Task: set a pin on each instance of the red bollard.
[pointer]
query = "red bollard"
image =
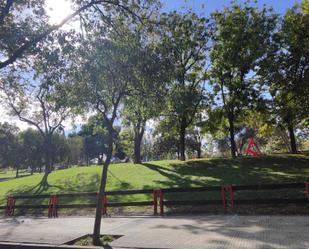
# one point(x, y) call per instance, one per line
point(161, 202)
point(158, 193)
point(223, 197)
point(231, 196)
point(104, 204)
point(155, 201)
point(52, 206)
point(10, 206)
point(227, 202)
point(307, 189)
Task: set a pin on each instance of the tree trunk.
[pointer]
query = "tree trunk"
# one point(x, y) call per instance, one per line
point(242, 143)
point(100, 160)
point(285, 138)
point(182, 142)
point(232, 135)
point(138, 136)
point(99, 208)
point(48, 154)
point(17, 172)
point(199, 151)
point(292, 138)
point(137, 149)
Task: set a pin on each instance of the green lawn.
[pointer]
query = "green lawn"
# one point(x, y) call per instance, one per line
point(9, 173)
point(248, 170)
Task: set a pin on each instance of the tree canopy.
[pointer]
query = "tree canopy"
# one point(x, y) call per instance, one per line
point(135, 82)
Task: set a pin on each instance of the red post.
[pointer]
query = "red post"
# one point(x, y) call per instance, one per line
point(10, 206)
point(227, 191)
point(158, 193)
point(161, 202)
point(104, 202)
point(307, 189)
point(231, 196)
point(155, 201)
point(223, 197)
point(52, 206)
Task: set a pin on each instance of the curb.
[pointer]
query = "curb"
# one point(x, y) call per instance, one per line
point(10, 245)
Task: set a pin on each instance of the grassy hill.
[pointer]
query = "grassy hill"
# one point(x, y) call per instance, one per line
point(247, 170)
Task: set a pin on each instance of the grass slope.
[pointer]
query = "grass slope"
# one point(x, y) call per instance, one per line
point(248, 170)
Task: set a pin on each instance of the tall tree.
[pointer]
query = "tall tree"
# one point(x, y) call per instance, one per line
point(240, 36)
point(285, 69)
point(147, 100)
point(195, 139)
point(39, 95)
point(166, 137)
point(31, 146)
point(76, 149)
point(185, 39)
point(8, 134)
point(104, 84)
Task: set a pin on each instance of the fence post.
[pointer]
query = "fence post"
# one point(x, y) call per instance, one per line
point(52, 206)
point(104, 203)
point(223, 197)
point(307, 189)
point(155, 201)
point(231, 196)
point(161, 201)
point(10, 206)
point(227, 202)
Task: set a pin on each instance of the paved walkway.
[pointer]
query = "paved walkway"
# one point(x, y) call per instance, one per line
point(203, 232)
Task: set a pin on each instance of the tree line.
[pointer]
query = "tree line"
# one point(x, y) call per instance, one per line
point(241, 71)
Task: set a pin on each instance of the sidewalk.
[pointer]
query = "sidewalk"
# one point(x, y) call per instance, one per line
point(203, 232)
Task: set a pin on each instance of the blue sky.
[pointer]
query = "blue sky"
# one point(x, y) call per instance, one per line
point(279, 6)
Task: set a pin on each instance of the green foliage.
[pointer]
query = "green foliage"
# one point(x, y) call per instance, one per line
point(216, 124)
point(43, 98)
point(7, 144)
point(60, 149)
point(95, 139)
point(25, 149)
point(76, 149)
point(285, 69)
point(166, 137)
point(241, 35)
point(131, 63)
point(105, 239)
point(151, 72)
point(127, 141)
point(31, 149)
point(147, 99)
point(101, 84)
point(20, 21)
point(305, 7)
point(285, 72)
point(185, 39)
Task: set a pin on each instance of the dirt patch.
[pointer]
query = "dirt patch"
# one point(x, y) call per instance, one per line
point(86, 240)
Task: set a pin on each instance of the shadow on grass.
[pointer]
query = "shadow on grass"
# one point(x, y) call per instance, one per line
point(240, 171)
point(194, 173)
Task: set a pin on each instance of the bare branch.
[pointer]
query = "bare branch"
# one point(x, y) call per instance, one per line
point(5, 10)
point(21, 50)
point(24, 119)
